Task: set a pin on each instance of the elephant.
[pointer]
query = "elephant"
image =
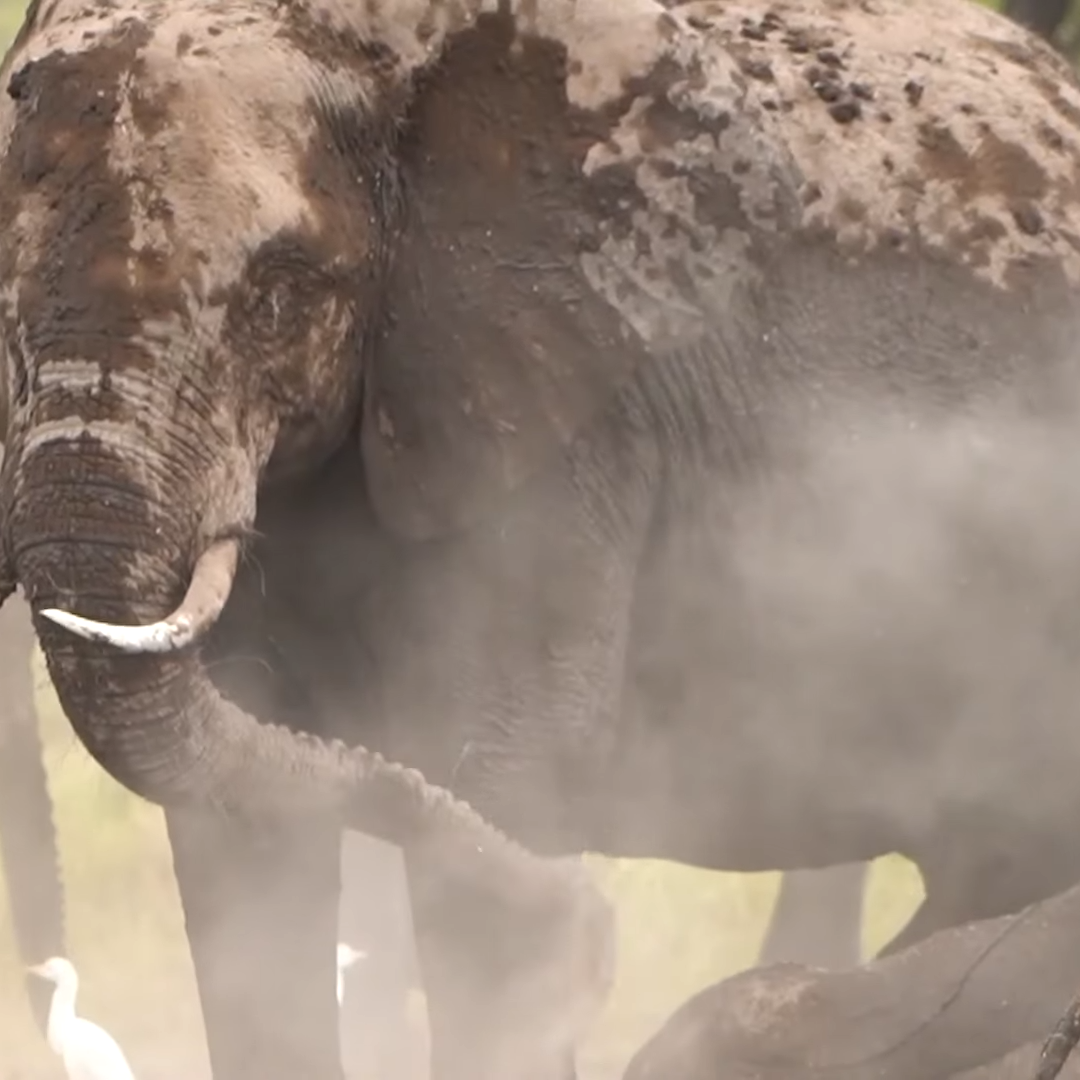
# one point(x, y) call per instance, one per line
point(27, 832)
point(816, 920)
point(515, 428)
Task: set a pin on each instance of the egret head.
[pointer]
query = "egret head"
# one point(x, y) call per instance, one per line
point(56, 969)
point(347, 955)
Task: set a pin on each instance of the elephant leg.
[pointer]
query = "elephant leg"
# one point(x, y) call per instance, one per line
point(817, 919)
point(466, 1007)
point(376, 1034)
point(261, 905)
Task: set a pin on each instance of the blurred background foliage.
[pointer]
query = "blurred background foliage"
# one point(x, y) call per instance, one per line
point(681, 929)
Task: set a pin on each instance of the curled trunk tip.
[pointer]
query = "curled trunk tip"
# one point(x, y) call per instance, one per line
point(211, 583)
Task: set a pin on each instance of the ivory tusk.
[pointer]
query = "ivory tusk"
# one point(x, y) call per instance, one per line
point(204, 601)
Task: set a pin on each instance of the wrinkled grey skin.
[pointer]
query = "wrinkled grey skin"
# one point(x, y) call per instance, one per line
point(27, 833)
point(655, 425)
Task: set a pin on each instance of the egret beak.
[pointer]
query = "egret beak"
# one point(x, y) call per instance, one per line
point(36, 969)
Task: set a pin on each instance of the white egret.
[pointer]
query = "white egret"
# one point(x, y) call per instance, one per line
point(88, 1051)
point(346, 957)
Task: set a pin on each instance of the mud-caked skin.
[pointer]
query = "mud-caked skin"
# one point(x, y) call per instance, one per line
point(622, 408)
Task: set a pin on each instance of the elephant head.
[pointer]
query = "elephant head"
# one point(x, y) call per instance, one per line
point(199, 206)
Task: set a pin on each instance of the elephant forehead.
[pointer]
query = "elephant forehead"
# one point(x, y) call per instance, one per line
point(915, 122)
point(209, 123)
point(211, 141)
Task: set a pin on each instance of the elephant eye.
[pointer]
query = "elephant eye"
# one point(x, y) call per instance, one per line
point(281, 293)
point(266, 314)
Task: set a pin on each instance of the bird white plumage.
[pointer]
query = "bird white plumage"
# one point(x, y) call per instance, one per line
point(88, 1051)
point(346, 957)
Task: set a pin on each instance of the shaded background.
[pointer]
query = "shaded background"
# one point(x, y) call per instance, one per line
point(680, 929)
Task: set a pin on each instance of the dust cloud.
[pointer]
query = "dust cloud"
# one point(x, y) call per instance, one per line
point(891, 609)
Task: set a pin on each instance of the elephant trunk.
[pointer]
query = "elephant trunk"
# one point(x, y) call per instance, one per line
point(91, 533)
point(87, 532)
point(93, 540)
point(204, 601)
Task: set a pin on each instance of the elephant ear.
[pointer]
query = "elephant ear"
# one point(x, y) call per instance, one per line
point(495, 350)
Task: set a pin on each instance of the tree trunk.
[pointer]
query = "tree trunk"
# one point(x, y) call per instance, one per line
point(27, 832)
